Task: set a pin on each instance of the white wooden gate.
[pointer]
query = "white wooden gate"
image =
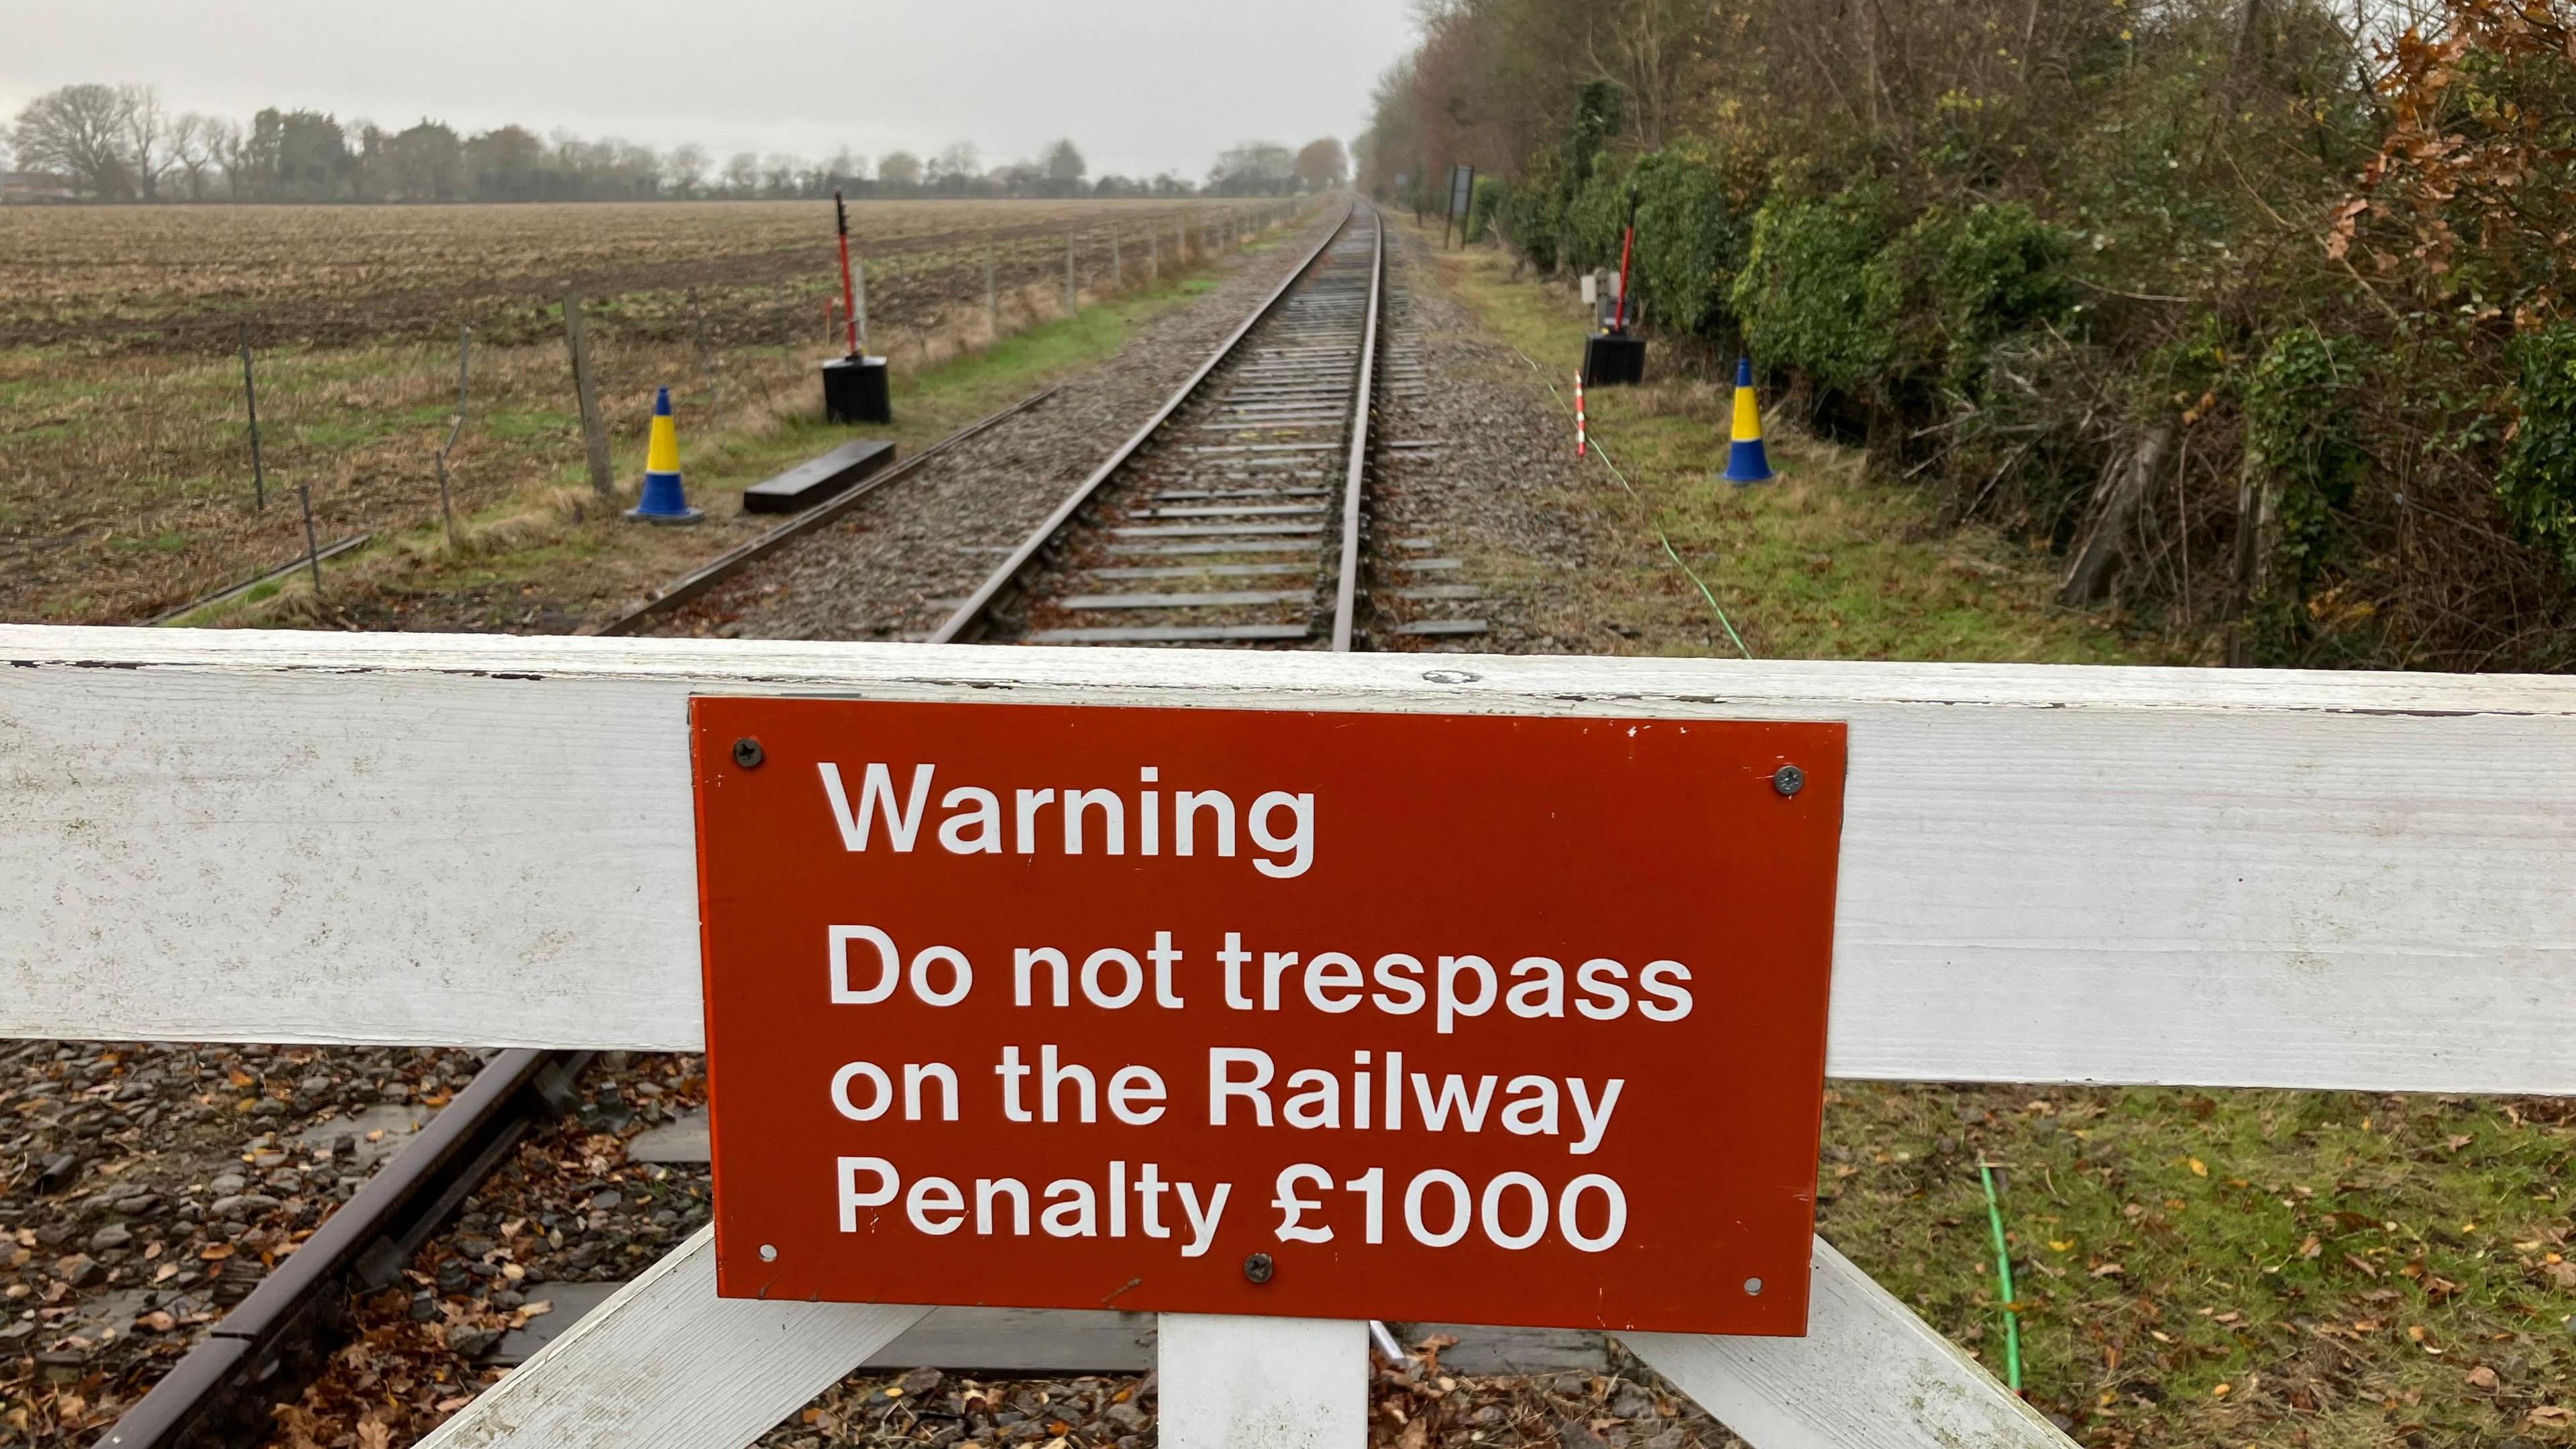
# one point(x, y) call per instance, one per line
point(2049, 875)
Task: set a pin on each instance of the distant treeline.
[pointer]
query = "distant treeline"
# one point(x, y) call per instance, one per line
point(119, 143)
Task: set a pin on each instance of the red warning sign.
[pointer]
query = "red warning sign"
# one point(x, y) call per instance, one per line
point(1414, 1017)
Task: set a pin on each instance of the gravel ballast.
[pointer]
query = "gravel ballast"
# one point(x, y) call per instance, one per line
point(900, 561)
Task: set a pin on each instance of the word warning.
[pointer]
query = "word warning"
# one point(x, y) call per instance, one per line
point(1415, 1017)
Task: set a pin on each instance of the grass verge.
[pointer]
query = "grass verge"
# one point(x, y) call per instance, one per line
point(1819, 565)
point(2322, 1270)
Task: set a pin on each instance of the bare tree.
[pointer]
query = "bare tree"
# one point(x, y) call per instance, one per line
point(1255, 168)
point(78, 133)
point(742, 174)
point(192, 151)
point(845, 166)
point(899, 170)
point(1649, 46)
point(147, 138)
point(228, 147)
point(956, 166)
point(684, 170)
point(1323, 164)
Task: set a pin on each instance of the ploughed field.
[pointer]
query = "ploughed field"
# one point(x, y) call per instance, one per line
point(125, 470)
point(157, 279)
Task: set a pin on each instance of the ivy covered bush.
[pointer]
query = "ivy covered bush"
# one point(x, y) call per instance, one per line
point(2538, 480)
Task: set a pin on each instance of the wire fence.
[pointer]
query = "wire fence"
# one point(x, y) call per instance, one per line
point(149, 480)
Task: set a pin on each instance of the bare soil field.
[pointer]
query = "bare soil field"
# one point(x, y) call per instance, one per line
point(163, 278)
point(125, 467)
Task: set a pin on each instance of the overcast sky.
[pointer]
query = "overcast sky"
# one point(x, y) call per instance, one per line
point(1143, 86)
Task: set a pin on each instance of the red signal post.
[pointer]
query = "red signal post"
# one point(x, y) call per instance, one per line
point(849, 301)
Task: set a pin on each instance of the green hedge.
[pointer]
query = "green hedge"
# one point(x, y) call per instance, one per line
point(1805, 295)
point(2300, 401)
point(1533, 209)
point(1844, 289)
point(1691, 236)
point(1848, 286)
point(2538, 479)
point(1481, 207)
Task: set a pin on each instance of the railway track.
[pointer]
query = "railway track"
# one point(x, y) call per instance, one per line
point(275, 1340)
point(1237, 516)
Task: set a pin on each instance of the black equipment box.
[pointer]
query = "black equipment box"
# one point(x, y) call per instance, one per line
point(855, 391)
point(1614, 359)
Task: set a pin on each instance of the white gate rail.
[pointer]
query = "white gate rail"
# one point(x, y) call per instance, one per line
point(2048, 874)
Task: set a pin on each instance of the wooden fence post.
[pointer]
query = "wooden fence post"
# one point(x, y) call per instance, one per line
point(992, 299)
point(594, 434)
point(250, 400)
point(312, 545)
point(464, 360)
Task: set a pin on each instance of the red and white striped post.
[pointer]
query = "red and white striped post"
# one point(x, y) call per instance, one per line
point(1582, 444)
point(849, 303)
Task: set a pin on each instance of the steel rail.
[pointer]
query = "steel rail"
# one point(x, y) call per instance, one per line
point(1346, 588)
point(726, 565)
point(325, 554)
point(975, 616)
point(271, 1343)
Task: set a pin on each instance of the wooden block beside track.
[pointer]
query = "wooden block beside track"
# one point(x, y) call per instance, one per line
point(829, 476)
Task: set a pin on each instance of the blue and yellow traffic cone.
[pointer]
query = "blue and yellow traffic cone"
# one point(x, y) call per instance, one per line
point(663, 501)
point(1746, 462)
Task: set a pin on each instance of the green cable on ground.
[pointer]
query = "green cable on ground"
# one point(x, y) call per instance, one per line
point(1660, 536)
point(2003, 1275)
point(1666, 540)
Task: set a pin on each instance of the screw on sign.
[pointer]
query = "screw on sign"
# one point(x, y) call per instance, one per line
point(1413, 1017)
